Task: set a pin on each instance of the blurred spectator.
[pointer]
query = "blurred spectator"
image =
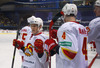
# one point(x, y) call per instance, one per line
point(4, 21)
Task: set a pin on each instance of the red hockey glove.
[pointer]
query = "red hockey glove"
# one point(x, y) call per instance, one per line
point(38, 46)
point(28, 50)
point(54, 33)
point(18, 44)
point(51, 44)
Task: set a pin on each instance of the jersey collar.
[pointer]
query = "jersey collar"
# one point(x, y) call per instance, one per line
point(75, 22)
point(35, 35)
point(38, 33)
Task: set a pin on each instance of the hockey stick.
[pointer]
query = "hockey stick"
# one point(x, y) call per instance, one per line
point(50, 27)
point(16, 43)
point(90, 65)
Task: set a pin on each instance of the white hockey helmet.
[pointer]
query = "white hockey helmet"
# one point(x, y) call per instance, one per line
point(34, 20)
point(31, 19)
point(69, 9)
point(97, 3)
point(39, 21)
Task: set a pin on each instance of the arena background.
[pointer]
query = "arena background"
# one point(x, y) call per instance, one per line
point(14, 11)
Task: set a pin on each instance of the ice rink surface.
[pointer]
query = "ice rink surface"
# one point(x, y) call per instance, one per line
point(6, 53)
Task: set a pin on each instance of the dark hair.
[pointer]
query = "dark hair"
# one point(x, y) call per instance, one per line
point(70, 15)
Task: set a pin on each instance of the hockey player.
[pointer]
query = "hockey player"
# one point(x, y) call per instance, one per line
point(34, 57)
point(94, 27)
point(23, 33)
point(72, 41)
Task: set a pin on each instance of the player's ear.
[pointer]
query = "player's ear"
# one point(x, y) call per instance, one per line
point(40, 26)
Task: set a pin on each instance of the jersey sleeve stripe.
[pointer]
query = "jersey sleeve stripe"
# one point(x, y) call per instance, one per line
point(68, 53)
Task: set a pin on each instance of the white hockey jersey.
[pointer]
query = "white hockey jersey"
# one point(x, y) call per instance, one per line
point(72, 38)
point(94, 33)
point(23, 33)
point(34, 61)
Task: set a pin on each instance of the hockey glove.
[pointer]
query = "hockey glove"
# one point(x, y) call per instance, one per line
point(51, 44)
point(54, 34)
point(28, 50)
point(18, 44)
point(38, 46)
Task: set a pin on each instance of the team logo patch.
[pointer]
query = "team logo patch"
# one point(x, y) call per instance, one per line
point(29, 49)
point(64, 43)
point(64, 35)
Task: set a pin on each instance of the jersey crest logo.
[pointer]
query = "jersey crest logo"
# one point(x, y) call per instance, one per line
point(64, 35)
point(29, 49)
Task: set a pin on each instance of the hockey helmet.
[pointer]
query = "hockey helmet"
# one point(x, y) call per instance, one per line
point(69, 9)
point(39, 21)
point(97, 3)
point(31, 19)
point(34, 20)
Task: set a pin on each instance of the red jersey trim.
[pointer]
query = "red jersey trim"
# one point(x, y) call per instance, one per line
point(75, 22)
point(36, 34)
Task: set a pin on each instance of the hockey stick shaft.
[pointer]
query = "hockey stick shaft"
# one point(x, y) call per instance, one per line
point(16, 44)
point(53, 21)
point(50, 27)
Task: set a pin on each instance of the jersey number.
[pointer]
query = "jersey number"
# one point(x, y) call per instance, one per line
point(23, 36)
point(64, 35)
point(84, 48)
